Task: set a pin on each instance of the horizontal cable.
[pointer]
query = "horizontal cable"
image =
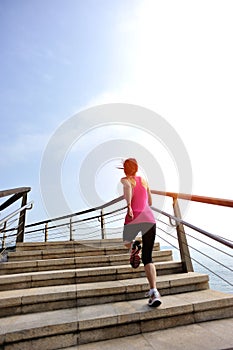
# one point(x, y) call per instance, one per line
point(197, 250)
point(223, 241)
point(199, 240)
point(198, 262)
point(114, 201)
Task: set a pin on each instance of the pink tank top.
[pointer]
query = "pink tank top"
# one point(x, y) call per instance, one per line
point(139, 203)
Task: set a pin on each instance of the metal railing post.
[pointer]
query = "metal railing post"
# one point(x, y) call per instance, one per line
point(103, 232)
point(46, 233)
point(182, 239)
point(22, 218)
point(71, 230)
point(4, 241)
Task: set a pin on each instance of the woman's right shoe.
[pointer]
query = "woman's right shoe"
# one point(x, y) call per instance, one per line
point(154, 300)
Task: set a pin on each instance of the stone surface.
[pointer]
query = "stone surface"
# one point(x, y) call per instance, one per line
point(111, 318)
point(66, 304)
point(214, 335)
point(52, 297)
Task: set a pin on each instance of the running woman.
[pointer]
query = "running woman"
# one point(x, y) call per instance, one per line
point(140, 218)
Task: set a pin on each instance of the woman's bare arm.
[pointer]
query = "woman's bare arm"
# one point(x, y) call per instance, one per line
point(149, 196)
point(127, 188)
point(145, 184)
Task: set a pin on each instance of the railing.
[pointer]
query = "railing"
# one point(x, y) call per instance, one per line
point(71, 219)
point(86, 224)
point(12, 225)
point(9, 234)
point(16, 194)
point(106, 221)
point(182, 238)
point(202, 248)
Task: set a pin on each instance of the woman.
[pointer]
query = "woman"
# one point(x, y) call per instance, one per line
point(140, 218)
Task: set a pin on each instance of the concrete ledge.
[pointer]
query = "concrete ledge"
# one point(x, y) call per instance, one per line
point(84, 275)
point(75, 262)
point(99, 322)
point(95, 243)
point(59, 301)
point(59, 297)
point(210, 335)
point(70, 251)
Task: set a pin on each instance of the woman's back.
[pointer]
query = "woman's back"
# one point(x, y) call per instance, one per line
point(139, 203)
point(140, 196)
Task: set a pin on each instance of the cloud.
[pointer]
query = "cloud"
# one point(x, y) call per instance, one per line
point(22, 149)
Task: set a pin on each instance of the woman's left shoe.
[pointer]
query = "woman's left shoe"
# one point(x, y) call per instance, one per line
point(135, 258)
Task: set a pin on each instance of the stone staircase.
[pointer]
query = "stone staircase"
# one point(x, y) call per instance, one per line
point(61, 295)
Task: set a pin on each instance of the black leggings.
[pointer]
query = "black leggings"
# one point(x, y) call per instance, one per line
point(148, 231)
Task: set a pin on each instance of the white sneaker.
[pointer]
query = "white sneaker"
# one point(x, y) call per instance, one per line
point(154, 300)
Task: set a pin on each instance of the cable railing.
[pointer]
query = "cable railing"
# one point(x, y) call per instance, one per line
point(106, 221)
point(13, 195)
point(216, 260)
point(11, 228)
point(180, 224)
point(87, 224)
point(208, 234)
point(206, 251)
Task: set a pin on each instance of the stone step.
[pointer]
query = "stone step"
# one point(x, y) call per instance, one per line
point(73, 263)
point(75, 251)
point(32, 300)
point(83, 275)
point(209, 335)
point(96, 243)
point(75, 326)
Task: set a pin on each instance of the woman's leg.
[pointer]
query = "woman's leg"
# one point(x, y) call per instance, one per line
point(148, 239)
point(151, 275)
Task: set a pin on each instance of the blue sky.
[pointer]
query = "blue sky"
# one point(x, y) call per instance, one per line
point(55, 57)
point(59, 57)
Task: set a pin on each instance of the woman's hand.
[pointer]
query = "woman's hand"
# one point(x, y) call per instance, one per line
point(130, 211)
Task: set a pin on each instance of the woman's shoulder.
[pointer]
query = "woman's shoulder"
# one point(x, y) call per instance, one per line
point(128, 181)
point(124, 180)
point(143, 181)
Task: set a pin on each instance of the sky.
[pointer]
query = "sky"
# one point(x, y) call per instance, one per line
point(59, 57)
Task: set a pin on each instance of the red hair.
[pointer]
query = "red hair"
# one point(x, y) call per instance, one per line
point(130, 166)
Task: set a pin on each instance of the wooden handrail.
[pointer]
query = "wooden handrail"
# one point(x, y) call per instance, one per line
point(195, 198)
point(16, 193)
point(4, 193)
point(175, 195)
